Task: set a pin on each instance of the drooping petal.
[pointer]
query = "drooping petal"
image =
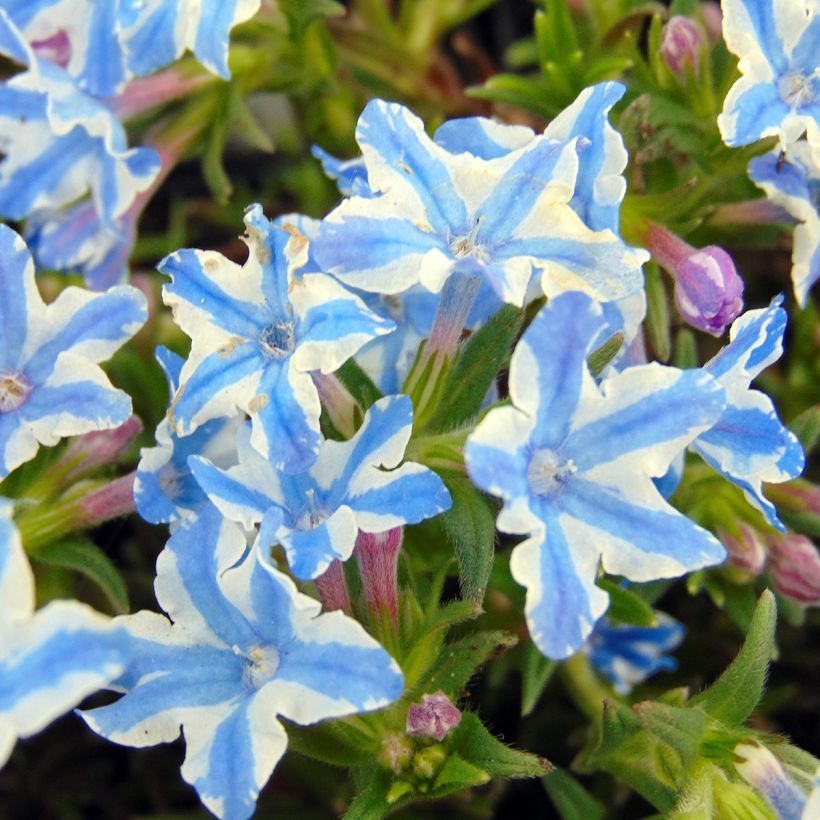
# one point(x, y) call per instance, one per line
point(16, 579)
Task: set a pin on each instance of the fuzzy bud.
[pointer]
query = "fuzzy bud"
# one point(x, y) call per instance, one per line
point(708, 289)
point(746, 550)
point(396, 753)
point(759, 767)
point(99, 448)
point(428, 762)
point(332, 588)
point(682, 42)
point(794, 567)
point(109, 501)
point(378, 556)
point(435, 717)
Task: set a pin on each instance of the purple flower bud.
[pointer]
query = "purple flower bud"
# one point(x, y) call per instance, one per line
point(332, 589)
point(746, 550)
point(794, 567)
point(708, 290)
point(435, 717)
point(101, 447)
point(759, 767)
point(396, 753)
point(110, 501)
point(681, 43)
point(378, 556)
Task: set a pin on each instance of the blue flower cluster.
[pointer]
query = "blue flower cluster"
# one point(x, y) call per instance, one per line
point(435, 234)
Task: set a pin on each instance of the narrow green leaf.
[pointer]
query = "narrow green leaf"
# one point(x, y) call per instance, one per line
point(686, 349)
point(251, 131)
point(603, 355)
point(570, 798)
point(301, 13)
point(657, 314)
point(85, 557)
point(626, 607)
point(476, 368)
point(457, 774)
point(470, 526)
point(536, 673)
point(735, 694)
point(473, 741)
point(459, 660)
point(806, 522)
point(807, 428)
point(212, 168)
point(371, 802)
point(358, 384)
point(335, 743)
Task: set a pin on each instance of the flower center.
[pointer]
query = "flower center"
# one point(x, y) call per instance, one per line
point(797, 89)
point(312, 515)
point(15, 388)
point(548, 472)
point(170, 481)
point(467, 244)
point(278, 339)
point(261, 663)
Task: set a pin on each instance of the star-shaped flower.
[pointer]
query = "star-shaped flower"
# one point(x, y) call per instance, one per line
point(436, 211)
point(793, 182)
point(256, 333)
point(574, 461)
point(316, 515)
point(778, 93)
point(244, 647)
point(59, 143)
point(749, 444)
point(50, 383)
point(165, 490)
point(49, 659)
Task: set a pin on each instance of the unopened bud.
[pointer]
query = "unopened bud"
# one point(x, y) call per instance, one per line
point(708, 289)
point(332, 589)
point(435, 717)
point(110, 501)
point(396, 753)
point(759, 767)
point(682, 42)
point(99, 448)
point(794, 567)
point(746, 550)
point(712, 19)
point(378, 556)
point(799, 495)
point(428, 762)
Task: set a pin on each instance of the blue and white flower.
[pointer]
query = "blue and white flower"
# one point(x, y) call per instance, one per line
point(257, 332)
point(574, 462)
point(354, 485)
point(59, 143)
point(49, 659)
point(778, 93)
point(244, 647)
point(436, 212)
point(157, 32)
point(793, 183)
point(165, 490)
point(50, 383)
point(628, 654)
point(749, 444)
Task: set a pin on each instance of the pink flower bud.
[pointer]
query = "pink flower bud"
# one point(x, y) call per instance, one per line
point(708, 290)
point(746, 550)
point(378, 556)
point(681, 44)
point(794, 567)
point(435, 717)
point(799, 495)
point(92, 450)
point(712, 19)
point(107, 502)
point(332, 589)
point(144, 93)
point(396, 753)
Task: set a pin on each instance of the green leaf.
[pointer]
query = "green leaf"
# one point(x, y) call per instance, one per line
point(371, 802)
point(457, 774)
point(657, 314)
point(570, 798)
point(301, 13)
point(212, 168)
point(476, 368)
point(474, 743)
point(735, 694)
point(807, 428)
point(335, 743)
point(626, 607)
point(459, 660)
point(686, 349)
point(802, 521)
point(85, 557)
point(536, 673)
point(358, 384)
point(680, 727)
point(470, 526)
point(603, 355)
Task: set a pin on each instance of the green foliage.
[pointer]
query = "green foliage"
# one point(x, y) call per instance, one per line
point(570, 798)
point(85, 557)
point(625, 606)
point(536, 673)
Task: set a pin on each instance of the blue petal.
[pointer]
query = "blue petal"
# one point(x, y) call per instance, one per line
point(100, 405)
point(758, 110)
point(17, 290)
point(350, 175)
point(481, 137)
